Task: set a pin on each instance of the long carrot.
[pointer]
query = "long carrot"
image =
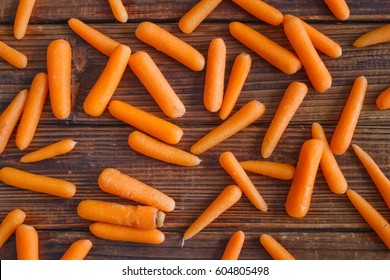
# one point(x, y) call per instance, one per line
point(234, 246)
point(229, 162)
point(119, 10)
point(342, 136)
point(274, 248)
point(98, 98)
point(10, 223)
point(78, 250)
point(275, 54)
point(27, 243)
point(154, 81)
point(13, 56)
point(376, 36)
point(247, 114)
point(114, 182)
point(282, 171)
point(299, 196)
point(172, 46)
point(37, 183)
point(153, 148)
point(261, 10)
point(383, 100)
point(55, 149)
point(22, 17)
point(292, 99)
point(339, 8)
point(239, 73)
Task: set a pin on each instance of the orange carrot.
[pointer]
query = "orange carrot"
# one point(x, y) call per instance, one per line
point(229, 162)
point(97, 99)
point(274, 248)
point(12, 56)
point(342, 136)
point(32, 111)
point(154, 81)
point(234, 246)
point(27, 243)
point(119, 10)
point(292, 99)
point(275, 54)
point(329, 166)
point(299, 196)
point(339, 8)
point(114, 182)
point(282, 171)
point(58, 148)
point(153, 148)
point(248, 113)
point(78, 250)
point(10, 223)
point(261, 10)
point(37, 183)
point(375, 220)
point(238, 75)
point(376, 36)
point(22, 17)
point(172, 46)
point(383, 100)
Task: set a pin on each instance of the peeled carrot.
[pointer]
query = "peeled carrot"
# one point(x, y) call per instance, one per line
point(37, 183)
point(98, 98)
point(119, 10)
point(282, 171)
point(241, 119)
point(10, 223)
point(78, 250)
point(240, 70)
point(229, 162)
point(261, 10)
point(292, 99)
point(342, 136)
point(172, 46)
point(12, 56)
point(114, 182)
point(274, 248)
point(376, 36)
point(339, 8)
point(153, 148)
point(383, 100)
point(154, 81)
point(58, 148)
point(22, 17)
point(27, 243)
point(234, 246)
point(299, 196)
point(275, 54)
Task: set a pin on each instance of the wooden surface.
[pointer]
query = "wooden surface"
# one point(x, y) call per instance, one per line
point(332, 229)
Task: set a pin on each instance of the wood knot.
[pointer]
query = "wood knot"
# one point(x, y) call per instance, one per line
point(79, 58)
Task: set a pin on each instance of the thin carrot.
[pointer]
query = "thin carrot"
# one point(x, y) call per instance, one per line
point(376, 36)
point(292, 99)
point(114, 182)
point(98, 98)
point(172, 46)
point(153, 148)
point(13, 56)
point(10, 223)
point(383, 100)
point(239, 73)
point(274, 248)
point(27, 243)
point(229, 162)
point(339, 8)
point(261, 10)
point(234, 246)
point(22, 17)
point(299, 196)
point(119, 10)
point(154, 81)
point(55, 149)
point(275, 54)
point(247, 114)
point(37, 183)
point(282, 171)
point(342, 136)
point(78, 250)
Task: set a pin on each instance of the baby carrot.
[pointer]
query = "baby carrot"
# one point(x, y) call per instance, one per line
point(234, 246)
point(241, 119)
point(12, 56)
point(58, 148)
point(10, 223)
point(282, 171)
point(114, 182)
point(342, 136)
point(275, 54)
point(172, 46)
point(97, 99)
point(261, 10)
point(27, 243)
point(119, 10)
point(299, 196)
point(153, 148)
point(383, 100)
point(292, 99)
point(22, 17)
point(274, 248)
point(154, 81)
point(229, 162)
point(78, 250)
point(240, 70)
point(37, 183)
point(339, 8)
point(376, 36)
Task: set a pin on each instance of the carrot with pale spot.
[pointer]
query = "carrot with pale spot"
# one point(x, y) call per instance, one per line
point(78, 250)
point(261, 10)
point(383, 100)
point(339, 8)
point(27, 243)
point(12, 56)
point(278, 170)
point(119, 10)
point(22, 17)
point(373, 37)
point(10, 223)
point(52, 150)
point(234, 246)
point(274, 248)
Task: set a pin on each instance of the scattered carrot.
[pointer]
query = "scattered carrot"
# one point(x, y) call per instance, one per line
point(78, 250)
point(383, 100)
point(119, 10)
point(22, 17)
point(339, 8)
point(274, 248)
point(234, 246)
point(27, 243)
point(261, 10)
point(275, 54)
point(282, 171)
point(376, 36)
point(12, 56)
point(172, 46)
point(154, 81)
point(342, 136)
point(10, 223)
point(58, 148)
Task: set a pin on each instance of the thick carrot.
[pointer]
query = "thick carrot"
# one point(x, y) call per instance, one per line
point(376, 36)
point(234, 246)
point(12, 56)
point(261, 10)
point(153, 148)
point(248, 113)
point(339, 8)
point(172, 46)
point(114, 182)
point(329, 166)
point(342, 136)
point(37, 183)
point(292, 99)
point(154, 81)
point(383, 100)
point(119, 10)
point(282, 171)
point(229, 162)
point(98, 98)
point(274, 248)
point(10, 223)
point(78, 250)
point(58, 148)
point(27, 243)
point(299, 196)
point(22, 17)
point(275, 54)
point(239, 73)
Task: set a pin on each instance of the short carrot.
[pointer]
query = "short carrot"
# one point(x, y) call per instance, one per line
point(78, 250)
point(229, 162)
point(98, 98)
point(154, 81)
point(299, 196)
point(383, 100)
point(247, 114)
point(153, 148)
point(55, 149)
point(12, 56)
point(10, 223)
point(342, 136)
point(22, 17)
point(275, 54)
point(114, 182)
point(282, 171)
point(171, 45)
point(119, 10)
point(261, 10)
point(373, 37)
point(234, 246)
point(274, 248)
point(292, 99)
point(27, 243)
point(339, 8)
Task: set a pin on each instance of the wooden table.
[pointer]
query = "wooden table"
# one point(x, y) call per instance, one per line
point(332, 229)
